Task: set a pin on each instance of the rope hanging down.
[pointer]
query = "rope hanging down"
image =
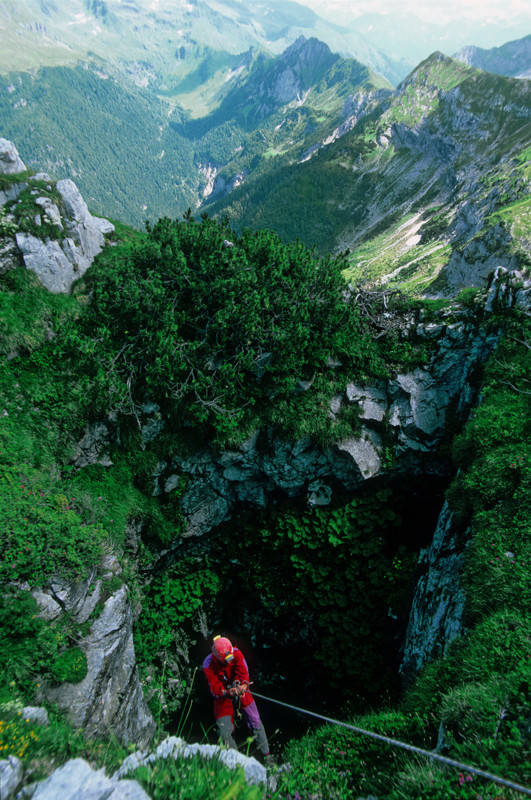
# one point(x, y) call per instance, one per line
point(411, 748)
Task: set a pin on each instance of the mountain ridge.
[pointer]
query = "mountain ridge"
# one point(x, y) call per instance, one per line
point(445, 137)
point(512, 59)
point(261, 113)
point(172, 33)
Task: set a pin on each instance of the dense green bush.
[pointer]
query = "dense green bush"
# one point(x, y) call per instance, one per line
point(28, 312)
point(213, 326)
point(43, 749)
point(27, 643)
point(172, 606)
point(339, 763)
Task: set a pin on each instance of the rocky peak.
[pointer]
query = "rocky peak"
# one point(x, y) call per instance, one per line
point(10, 161)
point(65, 237)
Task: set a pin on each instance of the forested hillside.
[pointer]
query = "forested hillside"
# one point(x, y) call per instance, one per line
point(153, 160)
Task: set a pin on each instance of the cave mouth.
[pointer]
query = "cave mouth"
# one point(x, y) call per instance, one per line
point(278, 601)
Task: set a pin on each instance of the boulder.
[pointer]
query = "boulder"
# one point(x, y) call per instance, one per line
point(36, 714)
point(47, 259)
point(77, 598)
point(76, 780)
point(11, 774)
point(91, 447)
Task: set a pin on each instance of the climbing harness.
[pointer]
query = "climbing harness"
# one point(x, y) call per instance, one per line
point(411, 748)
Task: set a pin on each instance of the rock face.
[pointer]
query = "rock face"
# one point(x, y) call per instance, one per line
point(175, 747)
point(10, 161)
point(402, 423)
point(110, 698)
point(437, 608)
point(59, 261)
point(77, 780)
point(59, 264)
point(11, 774)
point(10, 164)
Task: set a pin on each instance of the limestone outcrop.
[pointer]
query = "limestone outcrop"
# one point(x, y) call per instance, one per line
point(77, 780)
point(175, 747)
point(58, 264)
point(10, 164)
point(10, 161)
point(78, 237)
point(110, 698)
point(11, 775)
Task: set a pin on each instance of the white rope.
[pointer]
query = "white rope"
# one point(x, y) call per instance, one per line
point(411, 748)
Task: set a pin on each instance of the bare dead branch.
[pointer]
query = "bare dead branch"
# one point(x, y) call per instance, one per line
point(516, 389)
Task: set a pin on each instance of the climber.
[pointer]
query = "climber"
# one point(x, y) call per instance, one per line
point(228, 679)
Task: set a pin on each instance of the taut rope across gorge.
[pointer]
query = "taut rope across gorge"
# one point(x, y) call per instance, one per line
point(411, 748)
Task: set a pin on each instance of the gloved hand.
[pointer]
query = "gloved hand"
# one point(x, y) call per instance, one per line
point(237, 690)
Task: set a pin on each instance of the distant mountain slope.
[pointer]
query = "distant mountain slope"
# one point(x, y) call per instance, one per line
point(167, 40)
point(512, 59)
point(304, 72)
point(415, 33)
point(152, 160)
point(449, 149)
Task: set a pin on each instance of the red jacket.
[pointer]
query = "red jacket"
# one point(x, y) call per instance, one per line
point(220, 676)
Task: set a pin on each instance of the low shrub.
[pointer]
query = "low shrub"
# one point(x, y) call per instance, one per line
point(27, 643)
point(195, 779)
point(45, 748)
point(339, 763)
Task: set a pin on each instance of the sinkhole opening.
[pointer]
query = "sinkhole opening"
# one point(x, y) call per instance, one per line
point(318, 601)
